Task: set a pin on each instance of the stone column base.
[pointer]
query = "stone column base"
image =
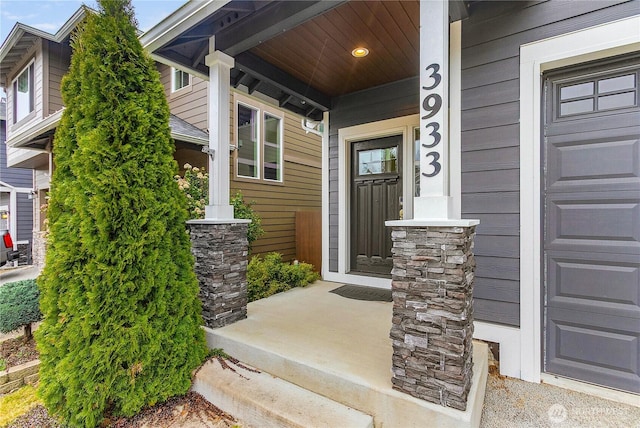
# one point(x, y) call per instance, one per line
point(220, 249)
point(432, 325)
point(39, 247)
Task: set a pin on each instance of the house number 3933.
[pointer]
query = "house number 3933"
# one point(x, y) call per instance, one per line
point(432, 103)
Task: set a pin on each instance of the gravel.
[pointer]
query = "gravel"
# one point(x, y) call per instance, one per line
point(512, 403)
point(35, 418)
point(189, 411)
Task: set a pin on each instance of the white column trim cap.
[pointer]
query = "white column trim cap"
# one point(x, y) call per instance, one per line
point(219, 57)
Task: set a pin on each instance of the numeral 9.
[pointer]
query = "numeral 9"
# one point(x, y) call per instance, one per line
point(431, 104)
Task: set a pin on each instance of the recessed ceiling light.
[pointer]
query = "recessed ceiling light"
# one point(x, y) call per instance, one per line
point(360, 52)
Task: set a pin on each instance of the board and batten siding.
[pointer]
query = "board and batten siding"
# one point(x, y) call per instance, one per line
point(59, 58)
point(491, 40)
point(35, 53)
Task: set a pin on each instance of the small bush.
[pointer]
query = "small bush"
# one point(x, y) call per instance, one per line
point(17, 404)
point(195, 186)
point(19, 306)
point(268, 276)
point(242, 209)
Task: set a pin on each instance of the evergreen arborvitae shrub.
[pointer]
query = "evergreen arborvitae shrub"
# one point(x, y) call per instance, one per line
point(119, 296)
point(19, 306)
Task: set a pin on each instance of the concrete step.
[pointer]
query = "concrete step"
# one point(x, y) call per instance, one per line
point(340, 348)
point(258, 399)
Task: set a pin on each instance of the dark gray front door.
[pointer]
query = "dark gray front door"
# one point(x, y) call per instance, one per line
point(376, 191)
point(592, 224)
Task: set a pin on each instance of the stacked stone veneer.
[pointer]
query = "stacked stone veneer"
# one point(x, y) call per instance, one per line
point(221, 250)
point(25, 254)
point(432, 326)
point(39, 247)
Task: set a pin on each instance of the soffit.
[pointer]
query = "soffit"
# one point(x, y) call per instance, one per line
point(318, 52)
point(17, 52)
point(299, 52)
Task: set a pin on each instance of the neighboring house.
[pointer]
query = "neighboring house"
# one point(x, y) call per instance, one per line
point(32, 63)
point(16, 205)
point(544, 150)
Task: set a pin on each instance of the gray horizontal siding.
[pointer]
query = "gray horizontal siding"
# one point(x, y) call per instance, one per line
point(491, 40)
point(25, 217)
point(17, 177)
point(384, 102)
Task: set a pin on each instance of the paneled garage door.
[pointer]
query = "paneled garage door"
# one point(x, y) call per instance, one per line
point(592, 224)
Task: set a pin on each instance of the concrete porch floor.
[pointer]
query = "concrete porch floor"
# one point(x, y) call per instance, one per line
point(339, 348)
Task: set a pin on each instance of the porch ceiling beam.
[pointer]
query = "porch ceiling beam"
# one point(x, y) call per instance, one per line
point(253, 86)
point(180, 42)
point(284, 100)
point(203, 31)
point(310, 111)
point(204, 50)
point(458, 10)
point(262, 70)
point(238, 80)
point(269, 22)
point(240, 6)
point(178, 61)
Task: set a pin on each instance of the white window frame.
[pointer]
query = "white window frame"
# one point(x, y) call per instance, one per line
point(31, 78)
point(262, 109)
point(174, 82)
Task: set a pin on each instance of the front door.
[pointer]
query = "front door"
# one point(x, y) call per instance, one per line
point(376, 196)
point(592, 224)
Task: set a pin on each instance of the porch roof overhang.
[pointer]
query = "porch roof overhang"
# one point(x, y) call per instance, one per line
point(297, 52)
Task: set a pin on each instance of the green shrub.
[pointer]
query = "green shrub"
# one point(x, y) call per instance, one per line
point(119, 295)
point(195, 185)
point(19, 306)
point(268, 276)
point(242, 209)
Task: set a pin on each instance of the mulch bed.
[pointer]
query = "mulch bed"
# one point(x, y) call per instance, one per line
point(189, 409)
point(16, 351)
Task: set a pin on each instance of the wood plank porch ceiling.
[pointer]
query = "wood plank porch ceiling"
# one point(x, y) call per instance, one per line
point(318, 52)
point(299, 52)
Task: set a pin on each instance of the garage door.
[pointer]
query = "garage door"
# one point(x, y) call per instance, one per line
point(592, 224)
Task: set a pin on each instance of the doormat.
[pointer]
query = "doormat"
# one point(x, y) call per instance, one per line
point(359, 292)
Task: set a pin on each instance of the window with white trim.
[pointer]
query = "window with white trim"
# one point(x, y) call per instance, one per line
point(179, 79)
point(258, 133)
point(23, 93)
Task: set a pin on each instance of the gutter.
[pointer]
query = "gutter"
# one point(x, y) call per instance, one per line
point(21, 138)
point(189, 139)
point(178, 21)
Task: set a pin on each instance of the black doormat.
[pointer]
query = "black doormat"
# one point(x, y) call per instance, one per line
point(359, 292)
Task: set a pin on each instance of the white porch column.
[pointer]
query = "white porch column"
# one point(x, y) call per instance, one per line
point(433, 262)
point(220, 65)
point(434, 201)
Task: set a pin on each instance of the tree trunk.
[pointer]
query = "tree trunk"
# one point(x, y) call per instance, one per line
point(27, 332)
